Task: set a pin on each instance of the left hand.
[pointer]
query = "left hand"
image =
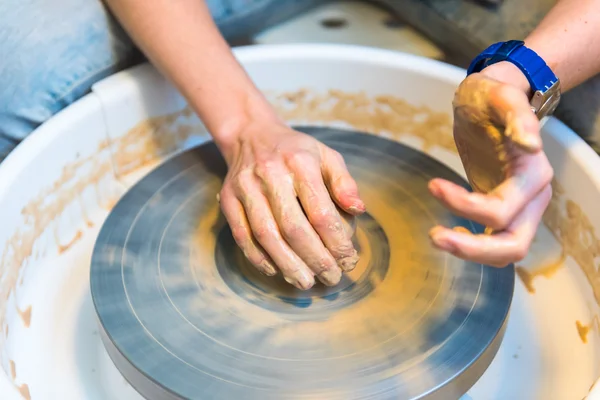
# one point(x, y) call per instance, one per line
point(290, 201)
point(498, 139)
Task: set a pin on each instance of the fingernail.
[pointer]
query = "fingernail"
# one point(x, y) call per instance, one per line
point(331, 277)
point(529, 142)
point(444, 244)
point(347, 264)
point(357, 208)
point(267, 268)
point(434, 188)
point(440, 241)
point(524, 138)
point(301, 282)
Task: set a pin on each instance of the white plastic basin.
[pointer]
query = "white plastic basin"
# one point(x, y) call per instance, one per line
point(57, 187)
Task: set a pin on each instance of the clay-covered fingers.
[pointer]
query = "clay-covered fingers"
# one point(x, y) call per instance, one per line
point(498, 208)
point(509, 107)
point(500, 249)
point(341, 185)
point(322, 212)
point(295, 227)
point(266, 231)
point(242, 234)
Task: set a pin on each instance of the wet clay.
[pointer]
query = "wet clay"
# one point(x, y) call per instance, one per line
point(153, 138)
point(25, 316)
point(390, 116)
point(482, 145)
point(142, 145)
point(583, 330)
point(384, 115)
point(527, 276)
point(388, 316)
point(22, 388)
point(575, 233)
point(461, 229)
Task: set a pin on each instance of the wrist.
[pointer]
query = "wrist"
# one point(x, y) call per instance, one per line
point(228, 130)
point(507, 72)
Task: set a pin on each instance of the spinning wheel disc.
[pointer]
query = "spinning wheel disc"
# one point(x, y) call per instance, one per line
point(184, 315)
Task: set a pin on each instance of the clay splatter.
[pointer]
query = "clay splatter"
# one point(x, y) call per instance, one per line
point(548, 270)
point(25, 316)
point(583, 330)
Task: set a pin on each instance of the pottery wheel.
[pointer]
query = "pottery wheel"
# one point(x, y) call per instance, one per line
point(184, 315)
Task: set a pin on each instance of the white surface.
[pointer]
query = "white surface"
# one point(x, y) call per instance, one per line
point(60, 357)
point(364, 25)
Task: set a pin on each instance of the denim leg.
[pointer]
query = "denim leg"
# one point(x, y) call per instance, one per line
point(52, 52)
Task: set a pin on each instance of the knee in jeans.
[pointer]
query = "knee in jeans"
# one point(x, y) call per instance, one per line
point(50, 55)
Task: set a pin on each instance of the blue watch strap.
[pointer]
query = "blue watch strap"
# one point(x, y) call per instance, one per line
point(539, 75)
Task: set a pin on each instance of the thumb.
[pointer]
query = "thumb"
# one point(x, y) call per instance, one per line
point(509, 107)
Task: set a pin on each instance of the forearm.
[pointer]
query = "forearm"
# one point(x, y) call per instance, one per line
point(568, 39)
point(182, 41)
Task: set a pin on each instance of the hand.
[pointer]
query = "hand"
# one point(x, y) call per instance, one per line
point(283, 197)
point(498, 139)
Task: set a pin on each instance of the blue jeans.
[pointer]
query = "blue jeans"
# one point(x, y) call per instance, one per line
point(51, 52)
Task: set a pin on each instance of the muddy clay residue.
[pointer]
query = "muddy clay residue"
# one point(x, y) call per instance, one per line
point(25, 316)
point(22, 388)
point(583, 330)
point(575, 233)
point(156, 137)
point(546, 270)
point(390, 116)
point(384, 114)
point(145, 143)
point(40, 216)
point(410, 294)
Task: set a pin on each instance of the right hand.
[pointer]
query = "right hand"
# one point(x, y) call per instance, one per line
point(290, 201)
point(498, 139)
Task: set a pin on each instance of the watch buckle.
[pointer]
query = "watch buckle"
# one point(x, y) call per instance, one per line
point(545, 103)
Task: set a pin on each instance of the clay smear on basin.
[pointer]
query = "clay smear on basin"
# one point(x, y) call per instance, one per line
point(23, 389)
point(156, 137)
point(144, 144)
point(584, 329)
point(547, 270)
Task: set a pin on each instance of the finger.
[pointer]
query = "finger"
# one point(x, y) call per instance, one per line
point(266, 232)
point(499, 249)
point(296, 229)
point(511, 108)
point(507, 105)
point(242, 234)
point(348, 220)
point(341, 185)
point(323, 214)
point(498, 208)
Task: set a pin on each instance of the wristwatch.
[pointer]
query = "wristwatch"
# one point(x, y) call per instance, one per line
point(544, 83)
